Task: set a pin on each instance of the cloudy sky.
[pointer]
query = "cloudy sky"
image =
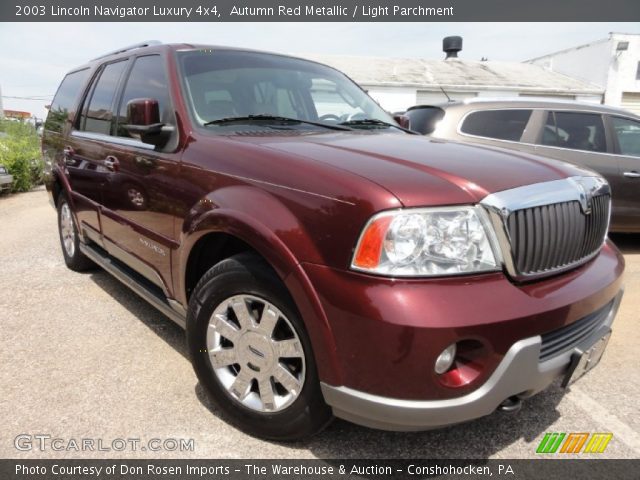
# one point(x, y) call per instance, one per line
point(34, 57)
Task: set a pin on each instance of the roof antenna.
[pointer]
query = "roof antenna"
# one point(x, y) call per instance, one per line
point(445, 94)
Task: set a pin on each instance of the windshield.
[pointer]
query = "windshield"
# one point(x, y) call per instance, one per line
point(222, 84)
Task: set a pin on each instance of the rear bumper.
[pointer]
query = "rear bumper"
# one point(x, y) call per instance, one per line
point(520, 373)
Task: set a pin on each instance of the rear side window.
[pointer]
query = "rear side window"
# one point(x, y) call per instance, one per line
point(628, 135)
point(97, 116)
point(499, 124)
point(64, 101)
point(574, 130)
point(147, 79)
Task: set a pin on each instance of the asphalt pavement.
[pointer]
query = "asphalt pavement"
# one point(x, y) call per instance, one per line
point(83, 357)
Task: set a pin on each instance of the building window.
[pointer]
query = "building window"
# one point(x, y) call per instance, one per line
point(638, 72)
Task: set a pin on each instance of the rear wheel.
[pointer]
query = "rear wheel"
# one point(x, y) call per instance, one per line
point(251, 351)
point(69, 239)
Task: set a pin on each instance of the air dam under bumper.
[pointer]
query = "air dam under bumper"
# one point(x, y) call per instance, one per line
point(520, 373)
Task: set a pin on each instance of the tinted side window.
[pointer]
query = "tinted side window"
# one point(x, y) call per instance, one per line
point(500, 124)
point(98, 116)
point(65, 99)
point(575, 130)
point(628, 134)
point(148, 79)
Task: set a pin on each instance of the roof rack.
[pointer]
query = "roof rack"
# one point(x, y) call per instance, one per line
point(148, 43)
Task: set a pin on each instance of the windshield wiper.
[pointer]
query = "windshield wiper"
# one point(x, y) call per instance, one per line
point(272, 118)
point(374, 122)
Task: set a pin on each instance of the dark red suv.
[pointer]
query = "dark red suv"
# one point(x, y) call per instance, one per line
point(323, 260)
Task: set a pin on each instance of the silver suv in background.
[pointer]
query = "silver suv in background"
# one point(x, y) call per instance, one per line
point(600, 138)
point(6, 180)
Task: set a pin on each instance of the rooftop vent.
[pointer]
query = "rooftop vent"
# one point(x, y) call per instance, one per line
point(451, 46)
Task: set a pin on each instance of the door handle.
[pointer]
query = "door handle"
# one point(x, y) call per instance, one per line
point(111, 163)
point(67, 155)
point(631, 174)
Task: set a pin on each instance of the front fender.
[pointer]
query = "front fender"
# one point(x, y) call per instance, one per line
point(261, 221)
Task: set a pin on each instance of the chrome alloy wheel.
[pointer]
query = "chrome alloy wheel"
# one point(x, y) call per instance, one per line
point(67, 230)
point(256, 353)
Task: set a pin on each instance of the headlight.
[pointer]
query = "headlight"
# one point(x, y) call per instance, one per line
point(420, 242)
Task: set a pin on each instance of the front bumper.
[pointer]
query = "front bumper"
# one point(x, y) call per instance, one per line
point(520, 373)
point(387, 334)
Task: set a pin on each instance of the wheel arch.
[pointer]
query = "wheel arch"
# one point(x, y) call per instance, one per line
point(56, 183)
point(221, 232)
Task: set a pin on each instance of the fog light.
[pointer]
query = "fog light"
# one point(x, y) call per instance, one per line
point(445, 359)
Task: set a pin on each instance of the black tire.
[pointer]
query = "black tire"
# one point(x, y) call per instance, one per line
point(247, 274)
point(74, 260)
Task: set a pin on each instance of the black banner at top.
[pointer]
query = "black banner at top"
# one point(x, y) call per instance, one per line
point(319, 10)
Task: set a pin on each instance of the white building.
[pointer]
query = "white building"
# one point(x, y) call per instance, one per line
point(399, 83)
point(612, 63)
point(1, 109)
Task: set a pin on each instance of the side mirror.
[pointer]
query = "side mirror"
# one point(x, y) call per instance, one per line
point(143, 120)
point(402, 120)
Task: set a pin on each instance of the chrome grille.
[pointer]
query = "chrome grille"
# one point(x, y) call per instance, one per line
point(549, 237)
point(546, 228)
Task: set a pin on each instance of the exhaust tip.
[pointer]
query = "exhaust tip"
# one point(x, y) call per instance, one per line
point(511, 404)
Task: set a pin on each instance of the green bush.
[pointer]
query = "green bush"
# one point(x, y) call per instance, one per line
point(20, 153)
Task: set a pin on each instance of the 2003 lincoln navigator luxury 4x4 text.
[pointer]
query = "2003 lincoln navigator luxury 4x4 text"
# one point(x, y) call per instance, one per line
point(323, 260)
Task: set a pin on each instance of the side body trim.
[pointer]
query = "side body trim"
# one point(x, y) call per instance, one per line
point(138, 287)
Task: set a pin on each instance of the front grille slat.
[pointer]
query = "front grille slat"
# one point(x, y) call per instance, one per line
point(528, 262)
point(576, 242)
point(557, 251)
point(545, 218)
point(537, 233)
point(549, 237)
point(568, 337)
point(522, 237)
point(570, 233)
point(565, 234)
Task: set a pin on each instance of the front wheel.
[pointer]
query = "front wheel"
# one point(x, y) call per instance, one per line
point(251, 352)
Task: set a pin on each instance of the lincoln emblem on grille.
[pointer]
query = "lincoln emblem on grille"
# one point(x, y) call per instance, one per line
point(585, 197)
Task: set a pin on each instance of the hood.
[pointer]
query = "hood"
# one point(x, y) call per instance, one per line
point(421, 171)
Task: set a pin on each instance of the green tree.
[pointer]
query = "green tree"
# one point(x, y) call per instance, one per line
point(20, 154)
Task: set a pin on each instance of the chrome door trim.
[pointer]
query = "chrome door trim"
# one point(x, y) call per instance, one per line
point(121, 141)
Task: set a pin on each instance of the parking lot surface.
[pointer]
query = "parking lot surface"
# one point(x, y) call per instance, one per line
point(83, 357)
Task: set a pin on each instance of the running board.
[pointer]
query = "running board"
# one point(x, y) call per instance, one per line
point(128, 277)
